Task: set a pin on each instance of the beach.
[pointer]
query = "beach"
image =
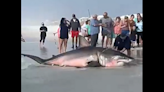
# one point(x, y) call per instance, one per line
point(41, 78)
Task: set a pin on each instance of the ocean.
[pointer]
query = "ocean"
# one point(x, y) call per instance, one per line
point(41, 78)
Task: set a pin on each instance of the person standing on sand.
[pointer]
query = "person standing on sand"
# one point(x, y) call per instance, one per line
point(75, 28)
point(139, 28)
point(58, 33)
point(107, 29)
point(64, 28)
point(43, 30)
point(133, 29)
point(94, 30)
point(125, 27)
point(117, 26)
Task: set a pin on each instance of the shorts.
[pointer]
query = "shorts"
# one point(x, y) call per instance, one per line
point(106, 33)
point(64, 36)
point(74, 34)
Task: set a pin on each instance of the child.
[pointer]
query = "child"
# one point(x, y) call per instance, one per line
point(58, 33)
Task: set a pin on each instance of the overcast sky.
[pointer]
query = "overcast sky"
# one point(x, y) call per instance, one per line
point(36, 11)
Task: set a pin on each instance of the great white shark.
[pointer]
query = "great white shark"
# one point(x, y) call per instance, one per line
point(87, 56)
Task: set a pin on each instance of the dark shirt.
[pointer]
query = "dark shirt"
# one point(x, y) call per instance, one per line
point(64, 31)
point(122, 43)
point(43, 28)
point(75, 24)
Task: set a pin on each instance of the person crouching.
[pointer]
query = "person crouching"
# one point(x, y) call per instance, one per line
point(122, 43)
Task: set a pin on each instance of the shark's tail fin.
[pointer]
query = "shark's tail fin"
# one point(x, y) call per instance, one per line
point(35, 58)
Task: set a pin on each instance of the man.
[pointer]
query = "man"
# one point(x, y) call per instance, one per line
point(75, 28)
point(107, 29)
point(43, 30)
point(94, 30)
point(122, 43)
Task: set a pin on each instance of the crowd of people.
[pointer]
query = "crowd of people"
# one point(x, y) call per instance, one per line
point(126, 32)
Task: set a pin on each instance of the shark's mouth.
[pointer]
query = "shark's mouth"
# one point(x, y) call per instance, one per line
point(115, 61)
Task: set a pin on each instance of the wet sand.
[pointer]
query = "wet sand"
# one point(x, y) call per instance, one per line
point(40, 78)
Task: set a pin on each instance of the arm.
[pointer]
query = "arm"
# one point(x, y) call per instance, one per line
point(100, 21)
point(113, 23)
point(116, 42)
point(55, 33)
point(123, 25)
point(134, 26)
point(92, 23)
point(129, 27)
point(40, 29)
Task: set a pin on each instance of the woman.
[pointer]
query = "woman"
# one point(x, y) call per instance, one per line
point(133, 31)
point(125, 27)
point(139, 28)
point(117, 26)
point(64, 27)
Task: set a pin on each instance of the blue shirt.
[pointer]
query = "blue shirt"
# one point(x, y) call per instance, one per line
point(93, 29)
point(139, 26)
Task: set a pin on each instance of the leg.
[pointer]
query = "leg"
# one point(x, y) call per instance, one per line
point(77, 37)
point(60, 45)
point(76, 41)
point(44, 37)
point(95, 38)
point(65, 44)
point(72, 34)
point(92, 40)
point(107, 41)
point(138, 38)
point(142, 38)
point(103, 40)
point(103, 37)
point(41, 37)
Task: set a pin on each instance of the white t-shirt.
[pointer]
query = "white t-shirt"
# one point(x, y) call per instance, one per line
point(83, 30)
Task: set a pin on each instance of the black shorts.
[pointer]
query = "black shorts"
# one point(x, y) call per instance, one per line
point(64, 37)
